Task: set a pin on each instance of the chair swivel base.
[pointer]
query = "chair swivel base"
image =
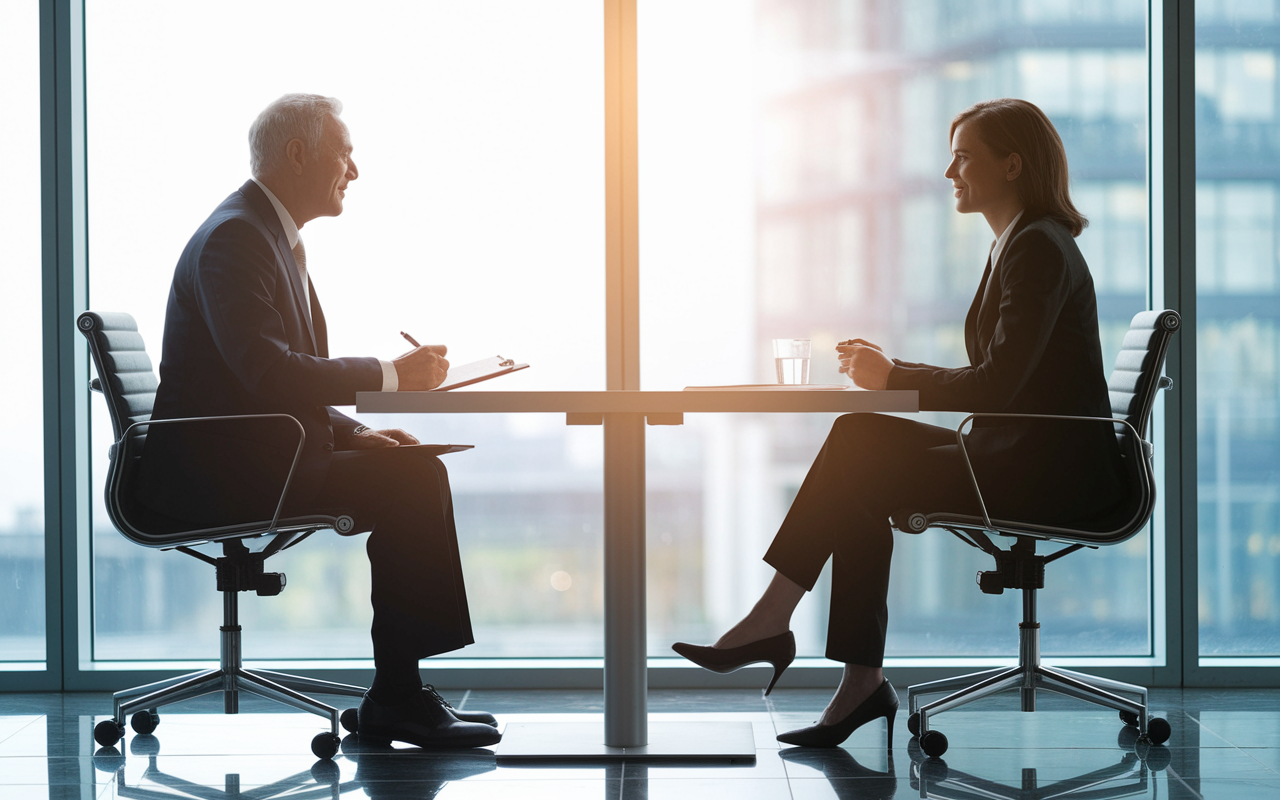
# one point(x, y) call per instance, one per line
point(1029, 677)
point(231, 678)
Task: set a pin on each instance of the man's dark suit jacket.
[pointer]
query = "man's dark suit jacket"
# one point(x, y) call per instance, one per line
point(237, 341)
point(1032, 338)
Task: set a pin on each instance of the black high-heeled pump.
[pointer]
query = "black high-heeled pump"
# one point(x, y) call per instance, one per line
point(779, 651)
point(883, 702)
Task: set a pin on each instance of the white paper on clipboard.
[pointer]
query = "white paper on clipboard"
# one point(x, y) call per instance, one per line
point(477, 371)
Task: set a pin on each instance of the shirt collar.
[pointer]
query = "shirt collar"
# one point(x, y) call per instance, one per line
point(998, 247)
point(286, 221)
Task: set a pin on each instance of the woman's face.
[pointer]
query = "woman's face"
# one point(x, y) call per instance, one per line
point(983, 182)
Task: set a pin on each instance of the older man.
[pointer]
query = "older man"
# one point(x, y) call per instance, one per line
point(244, 334)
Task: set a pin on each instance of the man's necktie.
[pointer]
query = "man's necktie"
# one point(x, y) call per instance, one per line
point(300, 256)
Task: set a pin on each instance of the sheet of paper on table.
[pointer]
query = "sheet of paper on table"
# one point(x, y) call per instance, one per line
point(773, 387)
point(476, 371)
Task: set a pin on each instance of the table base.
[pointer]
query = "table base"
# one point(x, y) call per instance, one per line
point(668, 741)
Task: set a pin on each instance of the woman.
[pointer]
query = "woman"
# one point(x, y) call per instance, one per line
point(1032, 341)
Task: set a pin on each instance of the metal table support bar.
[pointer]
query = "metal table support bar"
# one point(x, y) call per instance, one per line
point(626, 711)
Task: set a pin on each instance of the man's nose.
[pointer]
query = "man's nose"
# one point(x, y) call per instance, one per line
point(352, 171)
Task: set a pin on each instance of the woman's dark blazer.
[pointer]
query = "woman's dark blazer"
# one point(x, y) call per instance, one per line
point(1032, 339)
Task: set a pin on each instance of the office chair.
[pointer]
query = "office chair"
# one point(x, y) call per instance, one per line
point(126, 379)
point(1133, 385)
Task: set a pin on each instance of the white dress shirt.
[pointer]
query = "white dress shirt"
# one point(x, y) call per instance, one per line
point(390, 379)
point(998, 247)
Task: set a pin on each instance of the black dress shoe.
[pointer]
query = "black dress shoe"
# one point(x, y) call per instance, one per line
point(883, 702)
point(420, 723)
point(482, 717)
point(779, 651)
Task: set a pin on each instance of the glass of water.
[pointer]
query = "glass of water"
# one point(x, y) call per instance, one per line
point(792, 359)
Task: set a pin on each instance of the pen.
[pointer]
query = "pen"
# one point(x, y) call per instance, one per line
point(409, 339)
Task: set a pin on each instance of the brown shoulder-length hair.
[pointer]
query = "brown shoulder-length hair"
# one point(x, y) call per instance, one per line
point(1009, 126)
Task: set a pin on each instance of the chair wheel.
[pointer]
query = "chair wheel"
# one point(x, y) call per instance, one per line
point(1129, 718)
point(933, 743)
point(350, 720)
point(325, 745)
point(913, 724)
point(108, 732)
point(1159, 730)
point(144, 721)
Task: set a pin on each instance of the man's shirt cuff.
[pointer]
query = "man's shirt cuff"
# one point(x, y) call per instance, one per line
point(390, 380)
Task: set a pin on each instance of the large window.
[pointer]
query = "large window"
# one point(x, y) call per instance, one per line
point(476, 221)
point(1238, 336)
point(22, 635)
point(791, 184)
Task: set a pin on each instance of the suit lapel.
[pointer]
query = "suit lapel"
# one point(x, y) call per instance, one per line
point(992, 290)
point(295, 281)
point(284, 255)
point(318, 325)
point(971, 319)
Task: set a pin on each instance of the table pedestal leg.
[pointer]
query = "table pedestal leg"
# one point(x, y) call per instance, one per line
point(626, 708)
point(627, 733)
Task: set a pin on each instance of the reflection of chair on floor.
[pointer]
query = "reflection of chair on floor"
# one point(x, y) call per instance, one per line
point(1130, 777)
point(321, 782)
point(1133, 386)
point(127, 381)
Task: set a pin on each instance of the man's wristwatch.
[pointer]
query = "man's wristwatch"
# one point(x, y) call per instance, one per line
point(360, 429)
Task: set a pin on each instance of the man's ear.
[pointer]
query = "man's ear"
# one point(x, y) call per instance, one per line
point(295, 153)
point(1015, 167)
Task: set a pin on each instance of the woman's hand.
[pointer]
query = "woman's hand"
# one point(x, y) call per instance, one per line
point(370, 439)
point(865, 363)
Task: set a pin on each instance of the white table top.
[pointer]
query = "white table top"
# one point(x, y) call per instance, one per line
point(636, 402)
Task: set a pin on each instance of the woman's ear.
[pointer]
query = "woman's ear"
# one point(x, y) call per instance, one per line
point(1014, 167)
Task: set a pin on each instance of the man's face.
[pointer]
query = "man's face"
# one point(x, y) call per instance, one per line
point(328, 175)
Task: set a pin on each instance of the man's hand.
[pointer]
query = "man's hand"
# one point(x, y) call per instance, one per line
point(865, 363)
point(370, 439)
point(422, 368)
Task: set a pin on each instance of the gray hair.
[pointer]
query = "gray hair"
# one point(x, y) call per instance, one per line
point(293, 116)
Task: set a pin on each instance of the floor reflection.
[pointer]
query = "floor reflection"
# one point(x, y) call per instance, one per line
point(322, 781)
point(386, 774)
point(1130, 775)
point(1225, 746)
point(379, 773)
point(841, 769)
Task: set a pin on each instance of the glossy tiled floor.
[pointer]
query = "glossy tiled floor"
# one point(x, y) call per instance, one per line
point(1225, 744)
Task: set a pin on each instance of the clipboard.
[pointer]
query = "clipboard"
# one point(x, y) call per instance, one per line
point(477, 371)
point(434, 449)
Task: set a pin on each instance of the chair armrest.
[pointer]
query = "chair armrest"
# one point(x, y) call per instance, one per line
point(297, 453)
point(1062, 417)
